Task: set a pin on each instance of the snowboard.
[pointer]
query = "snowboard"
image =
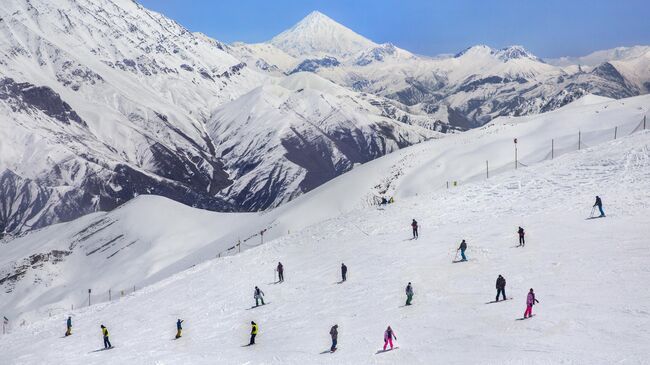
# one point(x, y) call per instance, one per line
point(257, 306)
point(521, 319)
point(499, 301)
point(387, 350)
point(104, 349)
point(457, 261)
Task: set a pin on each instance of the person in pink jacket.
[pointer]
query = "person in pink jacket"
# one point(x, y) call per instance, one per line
point(530, 302)
point(388, 338)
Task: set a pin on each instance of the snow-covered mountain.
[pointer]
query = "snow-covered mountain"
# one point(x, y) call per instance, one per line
point(289, 137)
point(317, 35)
point(465, 91)
point(104, 100)
point(549, 197)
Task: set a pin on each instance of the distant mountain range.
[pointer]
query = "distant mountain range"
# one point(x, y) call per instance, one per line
point(104, 100)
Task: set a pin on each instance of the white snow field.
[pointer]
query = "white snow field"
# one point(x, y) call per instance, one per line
point(590, 275)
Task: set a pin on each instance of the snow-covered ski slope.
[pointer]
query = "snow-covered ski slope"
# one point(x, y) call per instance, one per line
point(589, 275)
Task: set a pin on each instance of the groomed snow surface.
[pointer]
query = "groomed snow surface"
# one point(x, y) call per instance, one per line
point(590, 275)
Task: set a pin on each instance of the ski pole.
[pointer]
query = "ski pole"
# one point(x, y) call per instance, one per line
point(592, 211)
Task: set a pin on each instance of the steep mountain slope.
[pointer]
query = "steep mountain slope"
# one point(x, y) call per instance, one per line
point(287, 138)
point(563, 261)
point(117, 98)
point(163, 238)
point(464, 91)
point(102, 101)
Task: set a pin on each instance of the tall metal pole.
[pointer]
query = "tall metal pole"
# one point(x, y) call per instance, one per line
point(487, 170)
point(579, 139)
point(89, 297)
point(516, 163)
point(552, 148)
point(615, 131)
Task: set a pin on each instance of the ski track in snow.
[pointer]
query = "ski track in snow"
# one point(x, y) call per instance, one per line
point(589, 275)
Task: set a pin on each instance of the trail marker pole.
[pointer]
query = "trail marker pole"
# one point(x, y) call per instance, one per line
point(109, 295)
point(552, 148)
point(89, 297)
point(516, 163)
point(579, 139)
point(615, 131)
point(487, 170)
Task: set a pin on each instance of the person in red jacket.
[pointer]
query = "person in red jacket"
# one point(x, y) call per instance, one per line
point(388, 338)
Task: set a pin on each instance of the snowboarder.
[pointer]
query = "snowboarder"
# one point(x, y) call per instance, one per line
point(599, 204)
point(530, 302)
point(522, 241)
point(334, 332)
point(409, 294)
point(68, 323)
point(388, 338)
point(179, 328)
point(259, 296)
point(391, 200)
point(280, 271)
point(384, 201)
point(462, 248)
point(107, 343)
point(344, 272)
point(501, 287)
point(253, 333)
point(414, 224)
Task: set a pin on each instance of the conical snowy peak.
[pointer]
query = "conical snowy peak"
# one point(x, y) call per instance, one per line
point(319, 35)
point(515, 52)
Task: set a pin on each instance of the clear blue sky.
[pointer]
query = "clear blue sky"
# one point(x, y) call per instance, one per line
point(548, 28)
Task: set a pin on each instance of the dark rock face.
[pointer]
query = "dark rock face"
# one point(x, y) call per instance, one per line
point(312, 65)
point(26, 97)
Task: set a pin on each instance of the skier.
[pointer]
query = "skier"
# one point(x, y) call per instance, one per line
point(462, 248)
point(501, 287)
point(344, 272)
point(391, 200)
point(179, 328)
point(253, 332)
point(107, 343)
point(414, 224)
point(530, 302)
point(384, 201)
point(388, 338)
point(280, 271)
point(599, 204)
point(522, 241)
point(334, 332)
point(259, 295)
point(68, 323)
point(409, 294)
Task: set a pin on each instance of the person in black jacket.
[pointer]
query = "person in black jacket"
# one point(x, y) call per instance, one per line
point(599, 204)
point(344, 272)
point(280, 270)
point(522, 241)
point(462, 248)
point(334, 332)
point(501, 287)
point(414, 225)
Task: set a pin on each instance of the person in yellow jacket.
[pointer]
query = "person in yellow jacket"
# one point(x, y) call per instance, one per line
point(107, 343)
point(254, 330)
